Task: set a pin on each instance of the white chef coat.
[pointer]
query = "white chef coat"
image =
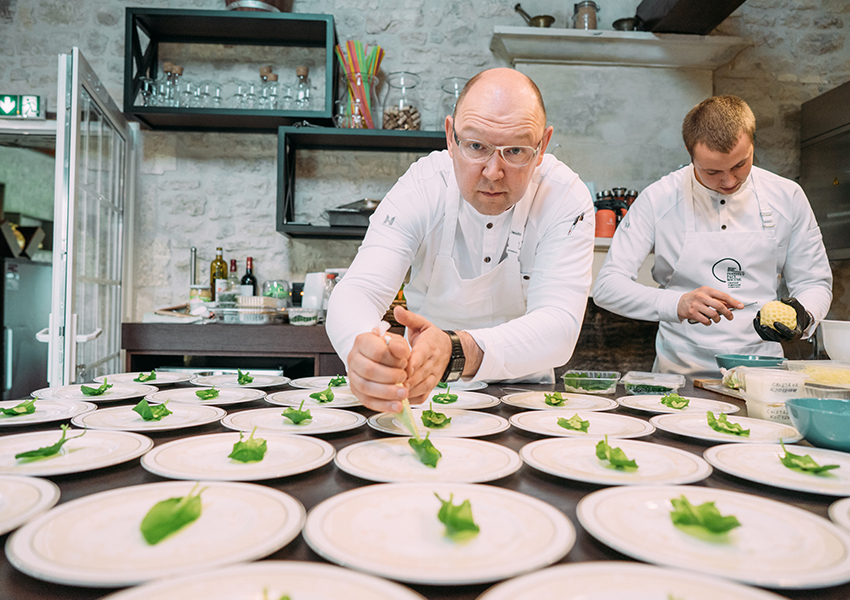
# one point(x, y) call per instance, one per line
point(405, 233)
point(655, 223)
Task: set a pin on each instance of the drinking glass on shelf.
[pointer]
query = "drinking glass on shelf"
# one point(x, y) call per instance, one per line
point(147, 90)
point(216, 99)
point(238, 98)
point(163, 91)
point(251, 97)
point(185, 94)
point(287, 96)
point(204, 92)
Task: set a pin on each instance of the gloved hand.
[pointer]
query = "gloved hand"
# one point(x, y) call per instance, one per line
point(783, 333)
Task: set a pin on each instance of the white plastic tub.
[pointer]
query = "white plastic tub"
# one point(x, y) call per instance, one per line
point(767, 390)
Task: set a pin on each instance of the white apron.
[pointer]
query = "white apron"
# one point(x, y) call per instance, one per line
point(742, 264)
point(485, 301)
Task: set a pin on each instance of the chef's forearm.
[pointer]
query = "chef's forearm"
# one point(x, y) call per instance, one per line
point(472, 353)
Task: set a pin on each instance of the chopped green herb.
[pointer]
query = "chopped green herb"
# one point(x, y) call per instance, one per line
point(243, 378)
point(586, 382)
point(445, 398)
point(426, 452)
point(27, 407)
point(721, 424)
point(251, 450)
point(297, 415)
point(616, 458)
point(49, 451)
point(434, 419)
point(645, 388)
point(98, 391)
point(443, 385)
point(700, 520)
point(207, 394)
point(266, 596)
point(324, 396)
point(170, 516)
point(575, 423)
point(555, 399)
point(458, 519)
point(142, 377)
point(151, 413)
point(674, 400)
point(337, 381)
point(804, 463)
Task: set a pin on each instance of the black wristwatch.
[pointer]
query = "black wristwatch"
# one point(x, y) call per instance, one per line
point(457, 361)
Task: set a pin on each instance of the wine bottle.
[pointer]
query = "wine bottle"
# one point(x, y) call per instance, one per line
point(218, 274)
point(249, 282)
point(233, 279)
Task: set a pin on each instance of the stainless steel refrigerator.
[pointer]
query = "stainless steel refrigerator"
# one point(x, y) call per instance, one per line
point(25, 310)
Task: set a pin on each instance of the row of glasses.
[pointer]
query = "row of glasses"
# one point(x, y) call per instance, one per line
point(171, 90)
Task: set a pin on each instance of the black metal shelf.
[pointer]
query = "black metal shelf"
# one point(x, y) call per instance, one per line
point(292, 139)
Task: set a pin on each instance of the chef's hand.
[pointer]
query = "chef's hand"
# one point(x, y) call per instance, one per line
point(705, 305)
point(783, 333)
point(431, 350)
point(376, 367)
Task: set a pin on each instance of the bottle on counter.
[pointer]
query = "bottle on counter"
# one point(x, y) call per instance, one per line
point(330, 282)
point(248, 285)
point(233, 278)
point(218, 274)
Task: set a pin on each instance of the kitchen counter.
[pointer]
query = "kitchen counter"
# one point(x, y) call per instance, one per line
point(316, 486)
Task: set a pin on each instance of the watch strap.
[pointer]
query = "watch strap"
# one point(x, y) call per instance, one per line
point(457, 360)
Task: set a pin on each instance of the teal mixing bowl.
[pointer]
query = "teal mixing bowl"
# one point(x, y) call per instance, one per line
point(824, 422)
point(728, 361)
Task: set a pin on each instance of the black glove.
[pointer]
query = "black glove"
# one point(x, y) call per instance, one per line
point(782, 333)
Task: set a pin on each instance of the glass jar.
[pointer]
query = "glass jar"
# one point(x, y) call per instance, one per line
point(584, 15)
point(357, 102)
point(302, 88)
point(401, 103)
point(280, 290)
point(450, 89)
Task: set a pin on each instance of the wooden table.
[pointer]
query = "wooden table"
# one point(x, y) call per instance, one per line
point(316, 486)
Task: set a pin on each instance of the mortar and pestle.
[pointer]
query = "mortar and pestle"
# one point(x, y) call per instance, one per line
point(538, 21)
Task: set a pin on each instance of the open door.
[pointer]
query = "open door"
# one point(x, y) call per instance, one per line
point(93, 162)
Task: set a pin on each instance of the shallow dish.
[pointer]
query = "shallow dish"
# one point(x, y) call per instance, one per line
point(24, 498)
point(601, 424)
point(695, 425)
point(464, 423)
point(124, 418)
point(46, 411)
point(324, 420)
point(537, 401)
point(824, 422)
point(729, 361)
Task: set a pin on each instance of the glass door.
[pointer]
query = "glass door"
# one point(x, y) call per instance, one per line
point(93, 149)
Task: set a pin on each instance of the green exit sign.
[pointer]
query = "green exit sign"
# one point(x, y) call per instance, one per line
point(21, 106)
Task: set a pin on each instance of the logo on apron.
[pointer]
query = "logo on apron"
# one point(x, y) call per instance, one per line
point(728, 271)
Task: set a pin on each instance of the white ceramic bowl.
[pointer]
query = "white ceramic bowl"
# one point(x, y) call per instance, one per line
point(836, 339)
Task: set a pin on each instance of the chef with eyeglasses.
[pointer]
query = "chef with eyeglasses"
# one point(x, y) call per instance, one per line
point(498, 239)
point(727, 236)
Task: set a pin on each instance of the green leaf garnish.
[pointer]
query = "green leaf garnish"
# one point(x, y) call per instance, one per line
point(426, 452)
point(337, 381)
point(443, 385)
point(142, 377)
point(805, 463)
point(555, 399)
point(98, 391)
point(27, 407)
point(48, 451)
point(324, 396)
point(170, 516)
point(434, 419)
point(243, 378)
point(446, 397)
point(151, 413)
point(266, 596)
point(721, 424)
point(575, 423)
point(674, 400)
point(458, 519)
point(207, 394)
point(297, 415)
point(251, 450)
point(700, 520)
point(615, 456)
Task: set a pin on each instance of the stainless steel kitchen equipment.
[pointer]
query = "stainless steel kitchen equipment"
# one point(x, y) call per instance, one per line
point(538, 21)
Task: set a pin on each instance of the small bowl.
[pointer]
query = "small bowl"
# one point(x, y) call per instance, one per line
point(824, 422)
point(728, 361)
point(836, 339)
point(303, 316)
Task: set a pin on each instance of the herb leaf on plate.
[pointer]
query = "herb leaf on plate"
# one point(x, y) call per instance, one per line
point(152, 413)
point(458, 520)
point(554, 399)
point(243, 378)
point(616, 458)
point(207, 394)
point(250, 450)
point(674, 400)
point(98, 391)
point(434, 419)
point(337, 381)
point(575, 423)
point(52, 450)
point(27, 407)
point(804, 463)
point(703, 521)
point(427, 454)
point(445, 398)
point(721, 424)
point(324, 396)
point(142, 377)
point(443, 385)
point(170, 516)
point(297, 415)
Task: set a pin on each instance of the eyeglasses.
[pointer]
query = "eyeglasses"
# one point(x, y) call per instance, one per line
point(516, 156)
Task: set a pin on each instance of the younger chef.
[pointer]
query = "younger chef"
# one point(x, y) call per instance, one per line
point(725, 234)
point(499, 242)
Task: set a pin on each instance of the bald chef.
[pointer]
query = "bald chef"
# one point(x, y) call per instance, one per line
point(726, 236)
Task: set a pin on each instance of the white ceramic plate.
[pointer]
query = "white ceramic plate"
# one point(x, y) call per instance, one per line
point(611, 580)
point(225, 396)
point(576, 459)
point(760, 463)
point(318, 383)
point(95, 450)
point(260, 381)
point(294, 398)
point(46, 411)
point(118, 391)
point(392, 530)
point(462, 386)
point(95, 541)
point(777, 545)
point(601, 424)
point(23, 498)
point(122, 418)
point(273, 578)
point(162, 378)
point(652, 404)
point(206, 457)
point(536, 401)
point(839, 512)
point(325, 420)
point(465, 400)
point(695, 425)
point(465, 423)
point(463, 460)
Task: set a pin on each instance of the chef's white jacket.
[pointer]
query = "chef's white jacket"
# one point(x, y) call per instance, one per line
point(655, 223)
point(405, 231)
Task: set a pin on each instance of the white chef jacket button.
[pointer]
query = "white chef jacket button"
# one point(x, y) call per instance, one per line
point(723, 227)
point(486, 259)
point(489, 226)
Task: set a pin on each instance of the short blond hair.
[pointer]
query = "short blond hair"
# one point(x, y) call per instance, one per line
point(718, 123)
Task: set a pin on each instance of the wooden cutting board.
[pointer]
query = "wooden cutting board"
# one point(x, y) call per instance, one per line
point(715, 385)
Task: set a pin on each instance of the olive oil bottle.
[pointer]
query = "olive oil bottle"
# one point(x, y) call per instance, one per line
point(218, 274)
